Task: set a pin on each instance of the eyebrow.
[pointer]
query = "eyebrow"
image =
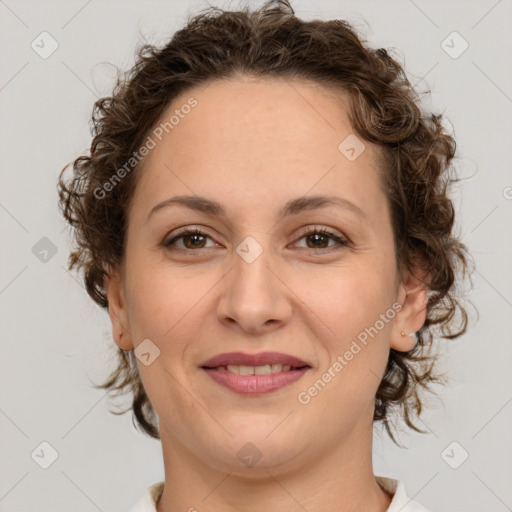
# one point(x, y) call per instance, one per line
point(292, 207)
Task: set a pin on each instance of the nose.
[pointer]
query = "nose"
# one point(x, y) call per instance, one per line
point(255, 297)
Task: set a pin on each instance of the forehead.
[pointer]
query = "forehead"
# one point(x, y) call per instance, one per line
point(263, 114)
point(267, 138)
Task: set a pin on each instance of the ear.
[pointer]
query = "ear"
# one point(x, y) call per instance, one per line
point(410, 319)
point(117, 311)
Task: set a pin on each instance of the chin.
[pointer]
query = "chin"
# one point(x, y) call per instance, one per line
point(254, 455)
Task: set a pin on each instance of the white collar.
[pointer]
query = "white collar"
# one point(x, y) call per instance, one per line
point(400, 502)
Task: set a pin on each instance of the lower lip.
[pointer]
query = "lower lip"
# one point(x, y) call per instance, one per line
point(254, 385)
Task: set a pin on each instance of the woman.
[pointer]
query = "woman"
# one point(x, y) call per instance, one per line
point(264, 214)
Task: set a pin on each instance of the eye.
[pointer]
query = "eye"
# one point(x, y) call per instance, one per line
point(196, 239)
point(192, 238)
point(319, 236)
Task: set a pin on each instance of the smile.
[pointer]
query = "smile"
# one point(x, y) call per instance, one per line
point(255, 380)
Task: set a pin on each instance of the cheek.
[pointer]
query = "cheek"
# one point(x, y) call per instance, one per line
point(352, 297)
point(167, 302)
point(356, 347)
point(357, 308)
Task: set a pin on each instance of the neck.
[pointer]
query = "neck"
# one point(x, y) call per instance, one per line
point(340, 479)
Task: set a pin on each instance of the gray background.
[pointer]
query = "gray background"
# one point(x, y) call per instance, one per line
point(55, 340)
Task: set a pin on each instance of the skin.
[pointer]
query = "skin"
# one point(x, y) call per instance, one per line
point(252, 145)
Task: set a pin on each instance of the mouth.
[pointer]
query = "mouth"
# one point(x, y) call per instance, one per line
point(255, 374)
point(267, 369)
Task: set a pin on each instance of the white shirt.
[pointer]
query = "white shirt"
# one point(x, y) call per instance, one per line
point(399, 503)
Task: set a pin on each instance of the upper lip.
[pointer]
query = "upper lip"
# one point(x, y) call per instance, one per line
point(261, 359)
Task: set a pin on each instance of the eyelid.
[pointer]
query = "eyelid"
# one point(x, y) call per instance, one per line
point(315, 227)
point(187, 230)
point(340, 239)
point(333, 234)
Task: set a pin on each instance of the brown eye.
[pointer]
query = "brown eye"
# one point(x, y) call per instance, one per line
point(196, 239)
point(319, 239)
point(192, 239)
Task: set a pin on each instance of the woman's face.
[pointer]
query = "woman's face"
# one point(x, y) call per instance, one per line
point(261, 277)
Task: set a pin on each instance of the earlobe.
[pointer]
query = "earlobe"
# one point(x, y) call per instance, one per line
point(413, 296)
point(117, 309)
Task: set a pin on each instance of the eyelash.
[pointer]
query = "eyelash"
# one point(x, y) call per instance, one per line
point(319, 231)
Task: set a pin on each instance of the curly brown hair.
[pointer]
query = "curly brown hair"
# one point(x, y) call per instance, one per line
point(416, 167)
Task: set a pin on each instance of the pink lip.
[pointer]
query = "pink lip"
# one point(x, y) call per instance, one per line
point(261, 359)
point(254, 385)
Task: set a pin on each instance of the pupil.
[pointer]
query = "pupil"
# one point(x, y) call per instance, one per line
point(194, 237)
point(315, 237)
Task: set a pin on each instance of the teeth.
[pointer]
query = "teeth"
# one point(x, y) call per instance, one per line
point(262, 370)
point(266, 369)
point(245, 370)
